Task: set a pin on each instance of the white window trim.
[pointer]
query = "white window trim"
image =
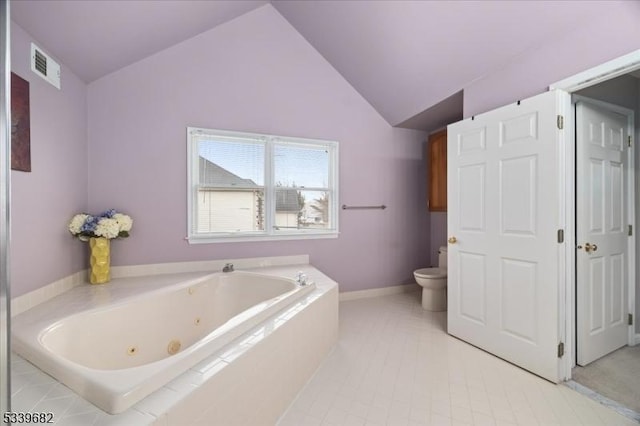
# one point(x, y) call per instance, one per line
point(269, 234)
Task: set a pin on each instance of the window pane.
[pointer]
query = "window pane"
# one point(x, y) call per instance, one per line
point(296, 209)
point(231, 164)
point(297, 166)
point(254, 186)
point(230, 211)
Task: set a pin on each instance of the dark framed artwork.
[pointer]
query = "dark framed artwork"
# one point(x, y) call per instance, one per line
point(20, 126)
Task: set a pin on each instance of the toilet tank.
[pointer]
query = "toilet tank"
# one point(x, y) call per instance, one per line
point(442, 257)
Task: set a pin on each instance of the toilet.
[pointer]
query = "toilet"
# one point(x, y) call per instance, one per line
point(434, 284)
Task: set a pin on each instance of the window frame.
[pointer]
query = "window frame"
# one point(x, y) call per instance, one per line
point(270, 233)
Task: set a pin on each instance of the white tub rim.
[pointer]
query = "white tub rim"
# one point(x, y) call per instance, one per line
point(93, 380)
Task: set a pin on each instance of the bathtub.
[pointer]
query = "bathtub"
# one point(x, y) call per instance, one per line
point(122, 350)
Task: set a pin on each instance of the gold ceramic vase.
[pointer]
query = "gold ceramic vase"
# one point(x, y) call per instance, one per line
point(99, 260)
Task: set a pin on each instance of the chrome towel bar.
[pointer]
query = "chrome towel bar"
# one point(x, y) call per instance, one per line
point(346, 207)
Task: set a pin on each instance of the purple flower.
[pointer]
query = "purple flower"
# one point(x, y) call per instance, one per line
point(108, 214)
point(90, 224)
point(108, 224)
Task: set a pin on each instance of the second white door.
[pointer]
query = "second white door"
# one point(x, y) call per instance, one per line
point(603, 222)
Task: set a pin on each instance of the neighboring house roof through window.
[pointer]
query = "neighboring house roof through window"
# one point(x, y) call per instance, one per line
point(212, 174)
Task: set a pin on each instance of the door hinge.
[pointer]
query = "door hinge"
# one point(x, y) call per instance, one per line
point(560, 236)
point(630, 321)
point(560, 122)
point(630, 233)
point(560, 350)
point(629, 140)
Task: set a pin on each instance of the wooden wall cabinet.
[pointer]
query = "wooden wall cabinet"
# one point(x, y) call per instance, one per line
point(437, 174)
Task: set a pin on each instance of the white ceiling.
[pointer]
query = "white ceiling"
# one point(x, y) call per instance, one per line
point(411, 60)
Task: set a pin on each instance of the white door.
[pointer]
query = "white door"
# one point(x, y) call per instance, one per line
point(602, 230)
point(505, 202)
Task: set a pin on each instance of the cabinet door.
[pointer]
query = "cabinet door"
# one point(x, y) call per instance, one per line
point(437, 183)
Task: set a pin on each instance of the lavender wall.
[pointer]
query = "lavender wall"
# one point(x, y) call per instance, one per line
point(256, 74)
point(43, 201)
point(581, 48)
point(592, 43)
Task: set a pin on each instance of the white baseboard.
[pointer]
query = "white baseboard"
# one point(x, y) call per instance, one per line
point(375, 292)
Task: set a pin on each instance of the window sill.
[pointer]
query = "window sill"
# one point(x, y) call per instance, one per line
point(235, 238)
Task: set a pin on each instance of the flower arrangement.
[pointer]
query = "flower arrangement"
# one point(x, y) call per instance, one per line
point(109, 224)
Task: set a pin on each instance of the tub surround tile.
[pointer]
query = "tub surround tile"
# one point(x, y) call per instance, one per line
point(79, 406)
point(184, 400)
point(129, 417)
point(186, 382)
point(158, 402)
point(162, 421)
point(26, 398)
point(208, 368)
point(57, 406)
point(206, 266)
point(34, 298)
point(84, 419)
point(29, 300)
point(60, 390)
point(272, 367)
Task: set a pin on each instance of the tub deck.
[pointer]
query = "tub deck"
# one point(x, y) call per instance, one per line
point(181, 391)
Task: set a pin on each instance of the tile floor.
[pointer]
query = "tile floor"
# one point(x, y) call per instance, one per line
point(395, 365)
point(615, 376)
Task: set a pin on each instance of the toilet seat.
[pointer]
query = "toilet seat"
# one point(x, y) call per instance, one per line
point(432, 273)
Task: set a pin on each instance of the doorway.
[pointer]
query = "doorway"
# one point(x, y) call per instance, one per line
point(606, 360)
point(604, 227)
point(500, 204)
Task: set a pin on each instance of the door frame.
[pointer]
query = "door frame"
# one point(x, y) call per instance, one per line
point(631, 198)
point(598, 74)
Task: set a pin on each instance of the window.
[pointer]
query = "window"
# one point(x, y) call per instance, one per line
point(245, 186)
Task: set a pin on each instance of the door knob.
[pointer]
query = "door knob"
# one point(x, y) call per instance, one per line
point(452, 240)
point(588, 247)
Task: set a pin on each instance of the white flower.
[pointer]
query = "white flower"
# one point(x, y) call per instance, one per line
point(108, 224)
point(107, 228)
point(124, 222)
point(76, 223)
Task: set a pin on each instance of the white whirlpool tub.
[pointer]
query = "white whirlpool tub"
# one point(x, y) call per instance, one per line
point(117, 353)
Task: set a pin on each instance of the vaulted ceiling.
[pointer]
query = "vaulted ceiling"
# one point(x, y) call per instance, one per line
point(411, 60)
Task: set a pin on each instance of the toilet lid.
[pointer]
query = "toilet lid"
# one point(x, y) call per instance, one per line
point(431, 273)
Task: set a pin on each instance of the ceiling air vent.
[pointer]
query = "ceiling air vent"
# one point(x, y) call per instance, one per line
point(44, 66)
